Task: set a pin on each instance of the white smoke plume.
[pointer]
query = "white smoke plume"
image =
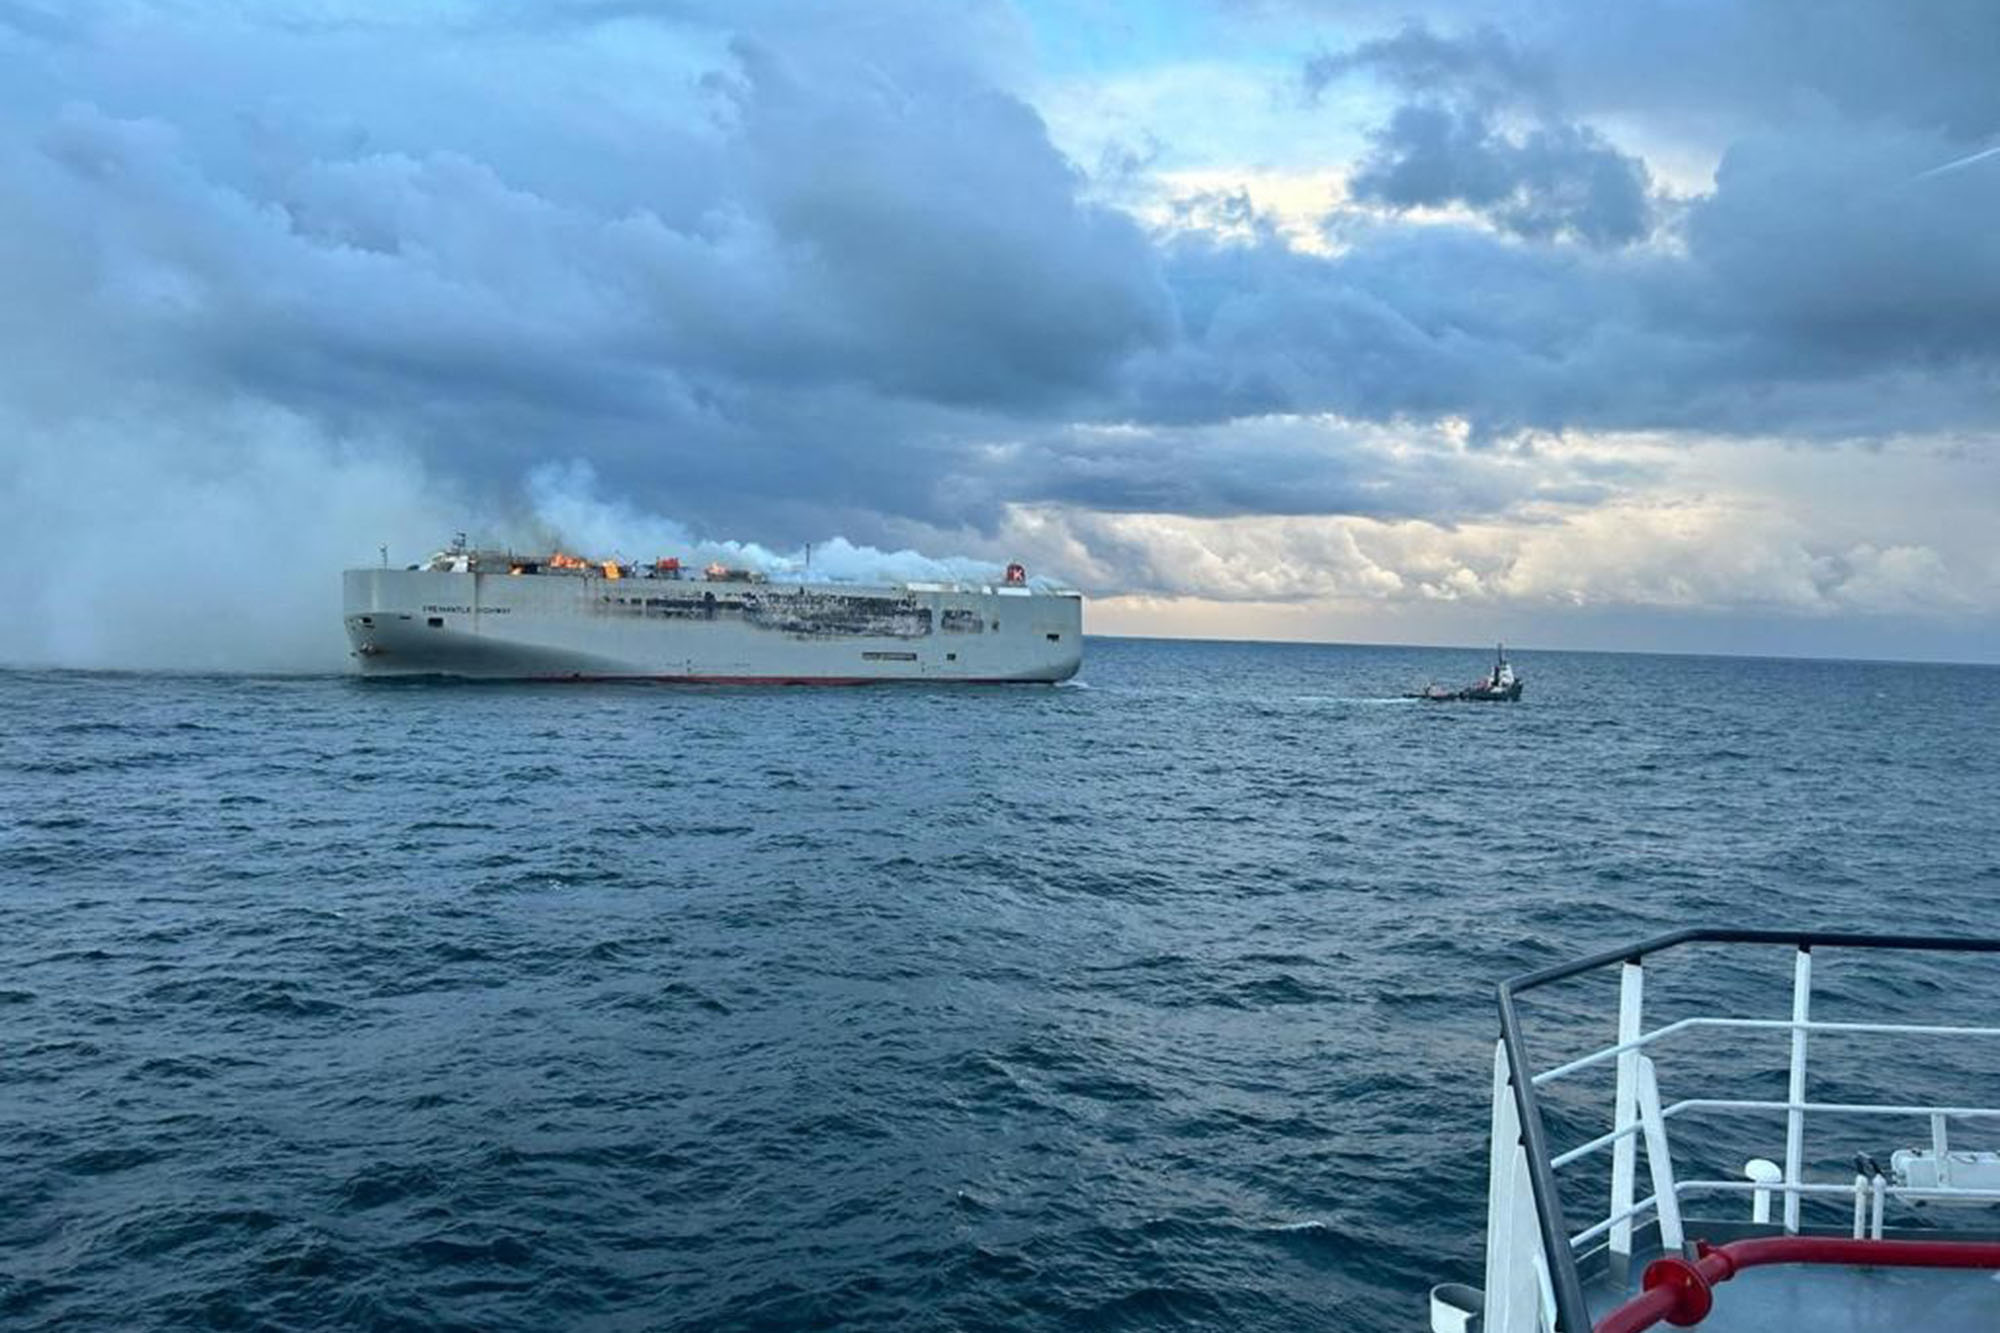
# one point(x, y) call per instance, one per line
point(567, 513)
point(196, 543)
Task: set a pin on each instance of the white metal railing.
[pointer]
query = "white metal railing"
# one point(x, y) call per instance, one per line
point(1524, 1279)
point(1633, 1119)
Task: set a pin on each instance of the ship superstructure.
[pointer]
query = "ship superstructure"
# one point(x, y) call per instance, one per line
point(503, 615)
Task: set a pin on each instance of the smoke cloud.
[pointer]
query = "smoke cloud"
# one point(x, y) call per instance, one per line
point(208, 543)
point(567, 512)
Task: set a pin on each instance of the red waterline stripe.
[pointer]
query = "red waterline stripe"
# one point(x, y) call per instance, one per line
point(783, 680)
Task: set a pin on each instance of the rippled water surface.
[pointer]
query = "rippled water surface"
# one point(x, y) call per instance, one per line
point(1159, 1001)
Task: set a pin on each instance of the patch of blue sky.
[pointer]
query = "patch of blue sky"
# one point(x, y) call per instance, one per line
point(1188, 87)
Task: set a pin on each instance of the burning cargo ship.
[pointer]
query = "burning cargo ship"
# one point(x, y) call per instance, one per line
point(500, 615)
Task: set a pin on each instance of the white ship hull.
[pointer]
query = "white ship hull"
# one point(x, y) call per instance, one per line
point(574, 627)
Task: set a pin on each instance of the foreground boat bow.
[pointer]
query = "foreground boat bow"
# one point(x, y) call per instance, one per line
point(1843, 1251)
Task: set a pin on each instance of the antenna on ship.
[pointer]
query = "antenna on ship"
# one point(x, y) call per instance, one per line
point(385, 556)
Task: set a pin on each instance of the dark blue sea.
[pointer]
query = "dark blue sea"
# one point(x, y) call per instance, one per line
point(1158, 1001)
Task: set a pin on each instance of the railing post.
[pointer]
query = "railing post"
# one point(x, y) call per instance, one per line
point(1515, 1263)
point(1625, 1106)
point(1659, 1159)
point(1795, 1116)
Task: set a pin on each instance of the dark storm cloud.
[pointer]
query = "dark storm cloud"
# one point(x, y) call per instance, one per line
point(1541, 178)
point(1831, 248)
point(1483, 64)
point(1709, 61)
point(1290, 467)
point(1818, 292)
point(1552, 181)
point(842, 260)
point(43, 22)
point(870, 244)
point(1928, 65)
point(786, 269)
point(1416, 324)
point(950, 236)
point(1824, 287)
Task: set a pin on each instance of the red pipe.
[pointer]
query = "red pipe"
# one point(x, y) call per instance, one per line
point(1682, 1293)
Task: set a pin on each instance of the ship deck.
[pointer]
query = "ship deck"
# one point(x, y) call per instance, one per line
point(1837, 1299)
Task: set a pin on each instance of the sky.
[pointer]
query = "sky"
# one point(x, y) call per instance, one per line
point(1665, 325)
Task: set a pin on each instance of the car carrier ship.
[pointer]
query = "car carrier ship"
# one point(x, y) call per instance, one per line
point(502, 615)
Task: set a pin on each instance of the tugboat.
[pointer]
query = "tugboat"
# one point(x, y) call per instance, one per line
point(1500, 685)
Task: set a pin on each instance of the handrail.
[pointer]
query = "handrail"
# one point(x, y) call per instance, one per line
point(1798, 939)
point(1943, 1193)
point(1831, 1108)
point(1572, 1310)
point(1686, 1104)
point(1964, 1193)
point(1807, 1025)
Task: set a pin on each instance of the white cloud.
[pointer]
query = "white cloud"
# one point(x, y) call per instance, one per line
point(1294, 203)
point(1729, 528)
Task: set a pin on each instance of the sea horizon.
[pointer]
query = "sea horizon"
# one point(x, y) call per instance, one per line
point(1094, 636)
